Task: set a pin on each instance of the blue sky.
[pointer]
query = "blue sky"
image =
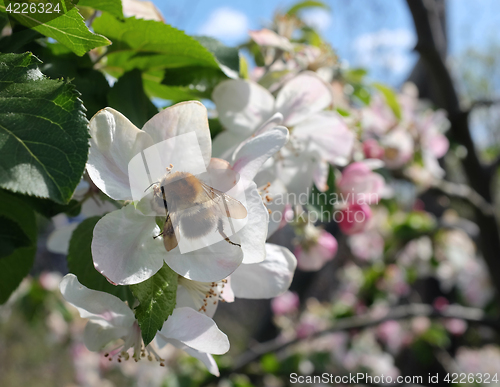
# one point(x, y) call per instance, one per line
point(376, 34)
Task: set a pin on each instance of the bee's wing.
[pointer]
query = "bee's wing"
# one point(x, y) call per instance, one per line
point(225, 203)
point(169, 239)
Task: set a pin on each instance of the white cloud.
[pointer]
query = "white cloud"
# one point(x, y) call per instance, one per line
point(400, 38)
point(226, 24)
point(317, 18)
point(387, 49)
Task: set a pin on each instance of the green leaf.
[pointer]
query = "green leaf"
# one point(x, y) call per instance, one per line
point(157, 301)
point(12, 237)
point(154, 88)
point(127, 95)
point(48, 208)
point(306, 4)
point(390, 98)
point(355, 75)
point(20, 36)
point(215, 127)
point(62, 62)
point(201, 78)
point(113, 7)
point(272, 77)
point(80, 262)
point(43, 131)
point(310, 36)
point(361, 93)
point(197, 79)
point(17, 264)
point(322, 202)
point(149, 45)
point(228, 57)
point(270, 363)
point(69, 29)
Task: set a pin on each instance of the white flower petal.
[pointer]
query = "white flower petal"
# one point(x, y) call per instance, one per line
point(58, 240)
point(195, 330)
point(205, 358)
point(182, 118)
point(185, 299)
point(253, 236)
point(114, 142)
point(320, 176)
point(266, 279)
point(208, 264)
point(94, 207)
point(242, 105)
point(225, 143)
point(96, 335)
point(97, 306)
point(271, 123)
point(251, 156)
point(123, 247)
point(278, 195)
point(301, 97)
point(297, 172)
point(327, 133)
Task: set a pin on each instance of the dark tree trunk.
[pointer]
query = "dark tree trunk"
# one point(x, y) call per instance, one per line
point(434, 81)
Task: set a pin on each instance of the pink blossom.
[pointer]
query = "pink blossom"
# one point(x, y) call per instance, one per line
point(360, 184)
point(391, 334)
point(377, 118)
point(286, 303)
point(455, 326)
point(420, 324)
point(368, 245)
point(268, 38)
point(312, 258)
point(307, 326)
point(440, 303)
point(372, 149)
point(399, 148)
point(354, 218)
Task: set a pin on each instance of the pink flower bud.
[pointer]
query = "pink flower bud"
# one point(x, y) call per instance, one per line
point(455, 326)
point(440, 303)
point(287, 303)
point(316, 256)
point(359, 184)
point(372, 149)
point(354, 218)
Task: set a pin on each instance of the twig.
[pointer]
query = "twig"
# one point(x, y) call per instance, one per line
point(484, 103)
point(402, 312)
point(465, 192)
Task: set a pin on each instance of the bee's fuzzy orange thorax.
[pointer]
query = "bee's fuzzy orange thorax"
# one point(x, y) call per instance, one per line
point(182, 187)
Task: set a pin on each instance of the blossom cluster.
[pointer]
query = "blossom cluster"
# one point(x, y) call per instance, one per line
point(310, 153)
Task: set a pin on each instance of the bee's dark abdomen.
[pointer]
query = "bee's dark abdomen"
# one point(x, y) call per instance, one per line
point(198, 222)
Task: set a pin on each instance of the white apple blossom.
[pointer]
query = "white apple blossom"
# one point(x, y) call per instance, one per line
point(262, 280)
point(124, 247)
point(317, 137)
point(110, 319)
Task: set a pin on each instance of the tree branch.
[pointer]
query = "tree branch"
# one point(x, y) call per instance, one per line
point(465, 192)
point(484, 103)
point(471, 315)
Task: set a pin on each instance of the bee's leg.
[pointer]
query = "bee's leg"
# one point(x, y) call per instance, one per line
point(163, 232)
point(220, 228)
